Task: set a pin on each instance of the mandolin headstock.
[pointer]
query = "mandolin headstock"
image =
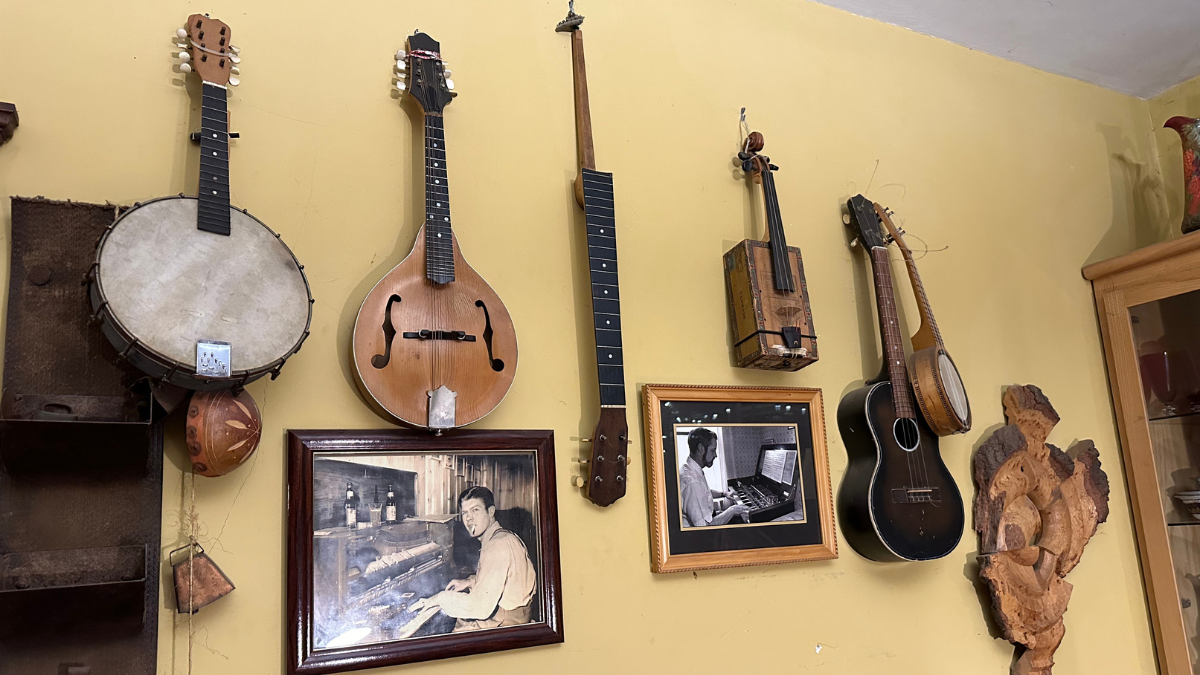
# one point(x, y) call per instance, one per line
point(423, 74)
point(610, 449)
point(208, 50)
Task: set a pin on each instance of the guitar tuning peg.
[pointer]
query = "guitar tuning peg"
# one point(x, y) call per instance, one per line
point(853, 243)
point(185, 68)
point(450, 84)
point(401, 55)
point(181, 33)
point(233, 70)
point(400, 85)
point(446, 72)
point(233, 82)
point(234, 58)
point(184, 56)
point(235, 50)
point(401, 66)
point(845, 218)
point(578, 481)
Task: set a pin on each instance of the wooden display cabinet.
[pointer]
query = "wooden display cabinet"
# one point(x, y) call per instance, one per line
point(1148, 303)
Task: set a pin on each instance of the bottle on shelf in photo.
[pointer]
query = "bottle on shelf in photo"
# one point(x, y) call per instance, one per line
point(389, 507)
point(351, 508)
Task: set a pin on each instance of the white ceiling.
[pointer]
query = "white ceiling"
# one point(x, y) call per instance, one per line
point(1137, 47)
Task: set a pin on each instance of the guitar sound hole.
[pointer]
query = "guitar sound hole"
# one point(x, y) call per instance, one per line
point(380, 361)
point(497, 364)
point(906, 433)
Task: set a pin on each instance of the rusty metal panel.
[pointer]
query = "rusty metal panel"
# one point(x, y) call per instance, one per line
point(80, 465)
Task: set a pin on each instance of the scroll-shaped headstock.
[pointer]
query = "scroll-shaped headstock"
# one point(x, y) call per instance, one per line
point(423, 74)
point(610, 450)
point(752, 162)
point(865, 222)
point(208, 50)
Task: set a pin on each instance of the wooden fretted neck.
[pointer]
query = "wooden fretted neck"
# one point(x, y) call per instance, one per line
point(213, 192)
point(439, 242)
point(927, 335)
point(889, 331)
point(780, 265)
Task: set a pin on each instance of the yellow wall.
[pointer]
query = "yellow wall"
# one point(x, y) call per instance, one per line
point(1024, 176)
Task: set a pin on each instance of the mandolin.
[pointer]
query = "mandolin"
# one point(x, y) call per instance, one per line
point(433, 347)
point(191, 290)
point(768, 297)
point(935, 380)
point(603, 473)
point(898, 501)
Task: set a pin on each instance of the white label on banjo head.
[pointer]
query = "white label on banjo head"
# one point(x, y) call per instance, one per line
point(212, 358)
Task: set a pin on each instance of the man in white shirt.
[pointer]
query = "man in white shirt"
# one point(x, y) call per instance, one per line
point(501, 591)
point(695, 497)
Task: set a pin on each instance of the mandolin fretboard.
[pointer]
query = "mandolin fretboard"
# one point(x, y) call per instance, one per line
point(606, 297)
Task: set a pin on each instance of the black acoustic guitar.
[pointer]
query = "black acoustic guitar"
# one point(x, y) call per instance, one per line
point(898, 501)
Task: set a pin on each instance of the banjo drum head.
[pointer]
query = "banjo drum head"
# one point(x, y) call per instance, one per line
point(954, 388)
point(169, 285)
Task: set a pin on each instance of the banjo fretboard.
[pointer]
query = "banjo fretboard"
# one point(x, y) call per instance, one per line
point(606, 301)
point(214, 161)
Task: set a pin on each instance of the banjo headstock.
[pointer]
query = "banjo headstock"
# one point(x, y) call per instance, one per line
point(422, 73)
point(208, 50)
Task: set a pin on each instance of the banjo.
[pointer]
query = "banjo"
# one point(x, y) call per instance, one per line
point(192, 291)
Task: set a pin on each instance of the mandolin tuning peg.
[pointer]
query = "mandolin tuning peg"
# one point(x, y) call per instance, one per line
point(185, 68)
point(400, 85)
point(235, 49)
point(234, 70)
point(233, 82)
point(401, 66)
point(450, 84)
point(184, 56)
point(181, 33)
point(401, 55)
point(234, 58)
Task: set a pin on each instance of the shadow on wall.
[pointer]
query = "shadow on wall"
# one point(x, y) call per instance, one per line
point(1139, 210)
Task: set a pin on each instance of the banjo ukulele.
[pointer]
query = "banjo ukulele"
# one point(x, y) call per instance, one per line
point(192, 291)
point(433, 345)
point(935, 380)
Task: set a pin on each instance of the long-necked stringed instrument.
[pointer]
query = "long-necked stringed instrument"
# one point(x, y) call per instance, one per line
point(935, 380)
point(898, 500)
point(768, 297)
point(603, 473)
point(191, 290)
point(434, 347)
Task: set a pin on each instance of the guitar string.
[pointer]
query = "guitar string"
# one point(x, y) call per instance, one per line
point(886, 318)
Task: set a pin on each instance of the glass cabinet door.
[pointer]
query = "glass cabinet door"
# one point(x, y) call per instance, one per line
point(1166, 338)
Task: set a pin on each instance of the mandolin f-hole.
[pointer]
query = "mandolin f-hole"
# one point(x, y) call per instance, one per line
point(389, 332)
point(497, 364)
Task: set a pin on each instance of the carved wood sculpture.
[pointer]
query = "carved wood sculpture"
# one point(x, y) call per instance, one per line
point(1036, 509)
point(8, 121)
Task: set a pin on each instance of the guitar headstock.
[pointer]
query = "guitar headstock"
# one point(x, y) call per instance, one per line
point(894, 233)
point(421, 72)
point(610, 451)
point(865, 222)
point(208, 50)
point(753, 163)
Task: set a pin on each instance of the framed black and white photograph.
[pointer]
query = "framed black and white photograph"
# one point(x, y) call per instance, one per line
point(404, 546)
point(738, 476)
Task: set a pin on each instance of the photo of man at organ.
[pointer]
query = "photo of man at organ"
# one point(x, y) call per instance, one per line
point(408, 545)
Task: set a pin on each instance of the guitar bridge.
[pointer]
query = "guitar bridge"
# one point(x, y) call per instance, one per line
point(917, 495)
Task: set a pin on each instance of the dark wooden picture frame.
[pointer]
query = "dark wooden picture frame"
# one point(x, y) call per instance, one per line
point(303, 445)
point(677, 548)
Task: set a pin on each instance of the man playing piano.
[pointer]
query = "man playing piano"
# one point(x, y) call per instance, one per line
point(500, 592)
point(695, 497)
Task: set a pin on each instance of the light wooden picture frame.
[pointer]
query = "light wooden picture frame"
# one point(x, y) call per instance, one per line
point(770, 454)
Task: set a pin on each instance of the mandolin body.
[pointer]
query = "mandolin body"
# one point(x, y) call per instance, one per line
point(883, 518)
point(396, 373)
point(759, 312)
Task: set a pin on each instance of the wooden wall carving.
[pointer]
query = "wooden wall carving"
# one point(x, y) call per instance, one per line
point(1035, 510)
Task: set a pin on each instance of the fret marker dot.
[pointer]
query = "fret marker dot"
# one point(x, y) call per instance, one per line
point(436, 164)
point(439, 203)
point(214, 135)
point(214, 192)
point(438, 182)
point(214, 154)
point(435, 145)
point(605, 292)
point(604, 264)
point(607, 323)
point(439, 235)
point(601, 231)
point(610, 356)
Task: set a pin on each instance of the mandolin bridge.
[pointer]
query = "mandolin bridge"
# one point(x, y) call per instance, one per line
point(908, 495)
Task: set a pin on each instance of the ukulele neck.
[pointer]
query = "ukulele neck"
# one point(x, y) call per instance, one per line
point(439, 240)
point(889, 331)
point(780, 266)
point(213, 193)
